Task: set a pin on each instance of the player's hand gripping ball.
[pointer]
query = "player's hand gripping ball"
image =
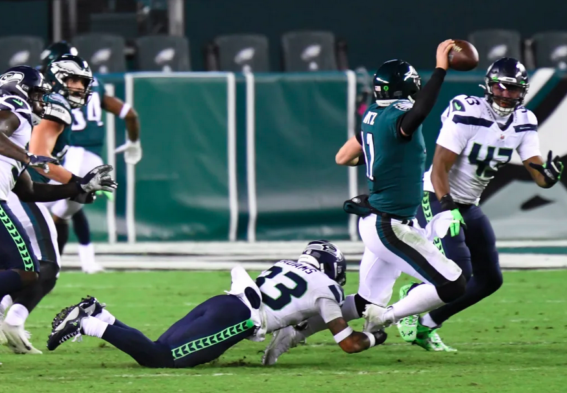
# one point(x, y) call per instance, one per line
point(463, 56)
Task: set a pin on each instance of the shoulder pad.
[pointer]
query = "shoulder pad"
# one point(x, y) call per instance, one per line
point(58, 99)
point(17, 105)
point(524, 115)
point(58, 110)
point(403, 105)
point(470, 105)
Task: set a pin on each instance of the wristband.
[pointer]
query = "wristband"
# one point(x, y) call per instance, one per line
point(343, 334)
point(371, 338)
point(124, 111)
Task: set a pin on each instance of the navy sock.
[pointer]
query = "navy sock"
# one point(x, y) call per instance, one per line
point(133, 342)
point(62, 235)
point(119, 324)
point(81, 227)
point(10, 282)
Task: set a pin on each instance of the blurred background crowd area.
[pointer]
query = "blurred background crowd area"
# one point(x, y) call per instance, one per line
point(270, 36)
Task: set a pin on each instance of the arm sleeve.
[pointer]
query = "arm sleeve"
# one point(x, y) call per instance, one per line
point(529, 147)
point(424, 103)
point(329, 309)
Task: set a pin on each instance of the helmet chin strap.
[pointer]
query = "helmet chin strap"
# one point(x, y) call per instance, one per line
point(384, 103)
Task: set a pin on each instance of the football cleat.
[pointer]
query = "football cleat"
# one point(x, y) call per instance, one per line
point(429, 340)
point(91, 306)
point(282, 341)
point(91, 267)
point(17, 339)
point(407, 326)
point(66, 325)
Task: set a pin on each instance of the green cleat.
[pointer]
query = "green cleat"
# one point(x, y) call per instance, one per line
point(429, 340)
point(408, 326)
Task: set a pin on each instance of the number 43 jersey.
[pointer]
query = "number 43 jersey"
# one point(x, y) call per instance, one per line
point(294, 291)
point(484, 142)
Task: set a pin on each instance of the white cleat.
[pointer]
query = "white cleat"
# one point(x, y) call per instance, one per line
point(376, 318)
point(92, 268)
point(282, 341)
point(18, 340)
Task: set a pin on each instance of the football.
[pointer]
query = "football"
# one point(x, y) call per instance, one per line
point(463, 56)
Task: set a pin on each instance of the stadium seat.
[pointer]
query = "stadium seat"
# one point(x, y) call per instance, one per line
point(103, 52)
point(550, 49)
point(19, 50)
point(163, 53)
point(309, 51)
point(123, 24)
point(494, 44)
point(243, 53)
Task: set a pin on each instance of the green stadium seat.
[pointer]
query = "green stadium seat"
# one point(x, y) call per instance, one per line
point(309, 51)
point(243, 53)
point(163, 53)
point(20, 50)
point(103, 52)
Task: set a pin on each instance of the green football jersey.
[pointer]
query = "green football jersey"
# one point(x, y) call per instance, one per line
point(394, 165)
point(88, 129)
point(57, 109)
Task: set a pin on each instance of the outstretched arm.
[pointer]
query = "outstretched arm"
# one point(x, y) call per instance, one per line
point(544, 174)
point(28, 191)
point(426, 98)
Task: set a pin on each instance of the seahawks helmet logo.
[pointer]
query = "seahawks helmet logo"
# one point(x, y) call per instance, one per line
point(12, 76)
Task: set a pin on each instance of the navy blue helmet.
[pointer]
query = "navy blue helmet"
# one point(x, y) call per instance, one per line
point(506, 84)
point(28, 84)
point(326, 257)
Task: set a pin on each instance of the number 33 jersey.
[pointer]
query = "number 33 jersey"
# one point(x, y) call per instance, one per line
point(484, 142)
point(294, 291)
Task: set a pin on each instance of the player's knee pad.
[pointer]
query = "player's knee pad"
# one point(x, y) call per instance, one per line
point(360, 303)
point(452, 290)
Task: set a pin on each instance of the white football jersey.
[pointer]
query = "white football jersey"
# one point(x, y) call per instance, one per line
point(10, 169)
point(484, 142)
point(295, 291)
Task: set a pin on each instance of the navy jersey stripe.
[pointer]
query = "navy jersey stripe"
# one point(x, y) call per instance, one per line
point(471, 121)
point(525, 127)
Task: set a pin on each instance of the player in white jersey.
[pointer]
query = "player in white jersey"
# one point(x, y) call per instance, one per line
point(286, 294)
point(478, 136)
point(22, 92)
point(49, 138)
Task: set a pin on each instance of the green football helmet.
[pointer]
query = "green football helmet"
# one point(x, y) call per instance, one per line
point(54, 51)
point(396, 80)
point(67, 68)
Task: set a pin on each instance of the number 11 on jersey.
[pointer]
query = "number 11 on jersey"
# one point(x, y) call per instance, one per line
point(368, 149)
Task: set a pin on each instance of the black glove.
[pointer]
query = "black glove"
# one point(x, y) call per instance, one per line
point(551, 170)
point(98, 179)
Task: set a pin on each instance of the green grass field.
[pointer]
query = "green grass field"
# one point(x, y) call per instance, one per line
point(513, 342)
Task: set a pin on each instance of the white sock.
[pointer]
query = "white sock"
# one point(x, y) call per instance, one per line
point(6, 303)
point(420, 299)
point(106, 316)
point(426, 320)
point(17, 315)
point(86, 254)
point(94, 327)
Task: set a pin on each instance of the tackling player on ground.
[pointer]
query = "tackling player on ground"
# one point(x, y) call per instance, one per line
point(478, 136)
point(286, 294)
point(87, 141)
point(391, 145)
point(22, 104)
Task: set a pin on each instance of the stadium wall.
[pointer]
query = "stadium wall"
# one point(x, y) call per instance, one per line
point(234, 157)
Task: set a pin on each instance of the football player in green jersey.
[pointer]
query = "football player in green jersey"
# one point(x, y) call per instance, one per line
point(392, 147)
point(87, 138)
